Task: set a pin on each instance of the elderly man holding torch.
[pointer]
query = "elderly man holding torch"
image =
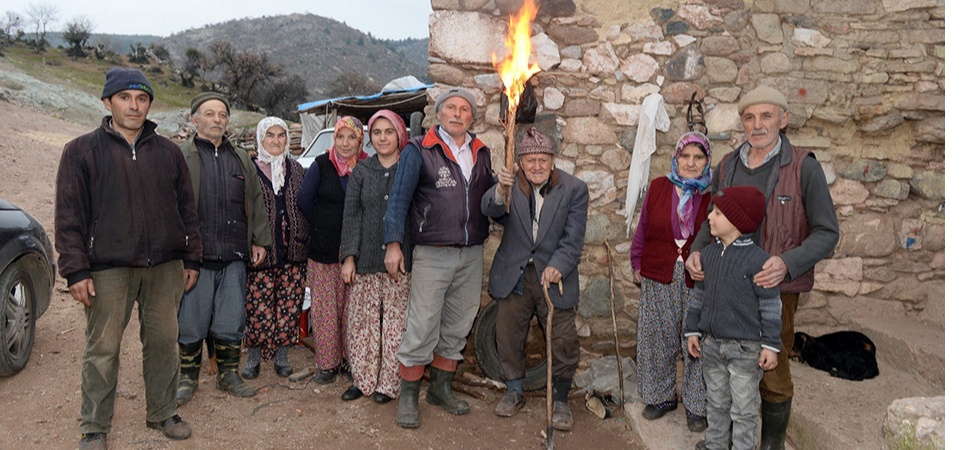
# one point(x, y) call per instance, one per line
point(543, 238)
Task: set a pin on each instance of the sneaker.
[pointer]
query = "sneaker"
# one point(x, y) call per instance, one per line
point(325, 376)
point(561, 416)
point(696, 423)
point(173, 428)
point(512, 402)
point(654, 412)
point(93, 441)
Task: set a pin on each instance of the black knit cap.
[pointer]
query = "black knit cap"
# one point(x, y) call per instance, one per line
point(743, 206)
point(119, 79)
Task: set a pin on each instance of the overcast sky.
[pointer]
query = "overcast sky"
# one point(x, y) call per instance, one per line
point(384, 19)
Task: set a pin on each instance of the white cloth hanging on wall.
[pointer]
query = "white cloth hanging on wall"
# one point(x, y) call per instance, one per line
point(653, 117)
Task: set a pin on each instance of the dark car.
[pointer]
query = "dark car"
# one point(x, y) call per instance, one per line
point(26, 281)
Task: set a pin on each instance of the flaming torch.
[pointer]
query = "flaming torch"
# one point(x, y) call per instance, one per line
point(515, 70)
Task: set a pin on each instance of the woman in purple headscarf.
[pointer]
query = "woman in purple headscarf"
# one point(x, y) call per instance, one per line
point(675, 207)
point(321, 199)
point(378, 303)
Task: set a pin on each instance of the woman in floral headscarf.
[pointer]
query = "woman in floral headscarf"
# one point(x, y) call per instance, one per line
point(276, 287)
point(321, 199)
point(378, 302)
point(675, 207)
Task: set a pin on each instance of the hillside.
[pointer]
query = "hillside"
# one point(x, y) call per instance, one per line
point(314, 47)
point(119, 43)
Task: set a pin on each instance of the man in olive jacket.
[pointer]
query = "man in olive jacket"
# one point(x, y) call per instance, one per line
point(234, 232)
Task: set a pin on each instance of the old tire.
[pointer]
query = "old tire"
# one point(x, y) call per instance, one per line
point(485, 343)
point(17, 316)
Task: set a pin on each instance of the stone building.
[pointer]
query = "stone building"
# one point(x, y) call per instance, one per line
point(865, 81)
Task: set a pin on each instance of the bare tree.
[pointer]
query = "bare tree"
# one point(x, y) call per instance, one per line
point(9, 25)
point(138, 54)
point(242, 72)
point(41, 16)
point(194, 60)
point(160, 52)
point(280, 96)
point(352, 83)
point(77, 32)
point(104, 49)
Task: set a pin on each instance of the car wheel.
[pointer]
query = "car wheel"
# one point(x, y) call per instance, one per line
point(485, 343)
point(17, 315)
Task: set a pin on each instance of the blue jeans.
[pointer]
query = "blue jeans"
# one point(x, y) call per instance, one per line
point(732, 375)
point(215, 305)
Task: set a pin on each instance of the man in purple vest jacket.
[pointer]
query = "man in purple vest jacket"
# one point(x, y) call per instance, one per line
point(800, 229)
point(441, 178)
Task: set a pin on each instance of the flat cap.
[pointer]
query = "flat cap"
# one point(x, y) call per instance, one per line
point(763, 94)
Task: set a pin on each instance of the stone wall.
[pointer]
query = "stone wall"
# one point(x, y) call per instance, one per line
point(866, 86)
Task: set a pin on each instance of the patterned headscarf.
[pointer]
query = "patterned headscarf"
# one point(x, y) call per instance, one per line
point(690, 186)
point(278, 163)
point(395, 120)
point(344, 166)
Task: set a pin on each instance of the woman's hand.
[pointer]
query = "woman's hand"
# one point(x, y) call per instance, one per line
point(348, 270)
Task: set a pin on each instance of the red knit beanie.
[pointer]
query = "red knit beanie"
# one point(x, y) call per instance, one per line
point(744, 206)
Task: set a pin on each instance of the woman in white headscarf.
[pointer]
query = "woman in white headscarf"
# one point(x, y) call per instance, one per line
point(277, 286)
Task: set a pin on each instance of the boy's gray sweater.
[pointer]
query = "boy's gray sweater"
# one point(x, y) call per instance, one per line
point(727, 304)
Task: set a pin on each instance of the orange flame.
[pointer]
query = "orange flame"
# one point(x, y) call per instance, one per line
point(516, 68)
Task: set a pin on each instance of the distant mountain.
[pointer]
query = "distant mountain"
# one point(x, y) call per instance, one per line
point(313, 47)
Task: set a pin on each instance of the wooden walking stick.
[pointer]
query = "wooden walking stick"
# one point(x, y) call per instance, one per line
point(612, 309)
point(550, 430)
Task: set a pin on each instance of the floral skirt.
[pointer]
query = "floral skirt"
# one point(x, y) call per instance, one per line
point(328, 303)
point(376, 315)
point(272, 307)
point(660, 341)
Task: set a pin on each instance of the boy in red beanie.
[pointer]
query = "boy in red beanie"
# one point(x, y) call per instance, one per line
point(732, 322)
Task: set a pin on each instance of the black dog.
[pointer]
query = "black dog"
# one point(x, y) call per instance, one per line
point(845, 354)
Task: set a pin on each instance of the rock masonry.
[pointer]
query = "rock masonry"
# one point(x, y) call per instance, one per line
point(865, 82)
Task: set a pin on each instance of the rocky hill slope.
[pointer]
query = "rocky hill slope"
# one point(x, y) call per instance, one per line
point(314, 47)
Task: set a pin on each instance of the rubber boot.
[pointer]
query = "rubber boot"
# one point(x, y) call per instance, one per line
point(281, 363)
point(440, 392)
point(229, 353)
point(190, 371)
point(408, 404)
point(408, 401)
point(775, 420)
point(253, 363)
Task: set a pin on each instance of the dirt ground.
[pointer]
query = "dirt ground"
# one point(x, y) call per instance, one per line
point(41, 404)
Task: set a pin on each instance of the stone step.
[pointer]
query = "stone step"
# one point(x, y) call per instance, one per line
point(828, 413)
point(833, 413)
point(908, 345)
